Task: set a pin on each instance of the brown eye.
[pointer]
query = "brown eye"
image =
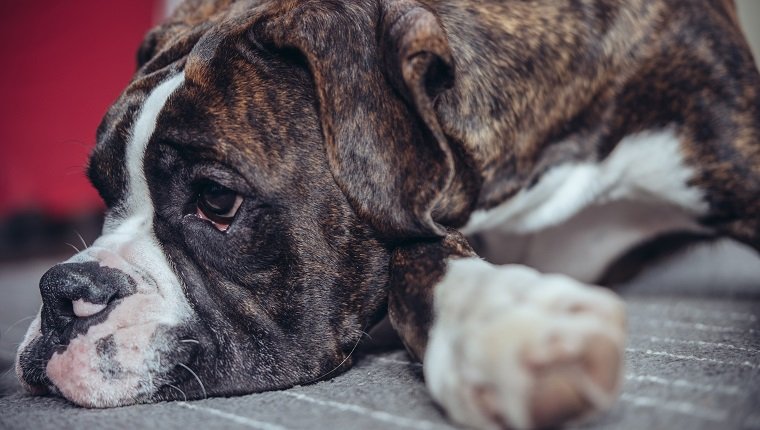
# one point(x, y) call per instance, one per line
point(218, 204)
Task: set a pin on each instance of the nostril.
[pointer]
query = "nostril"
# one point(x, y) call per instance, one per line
point(64, 308)
point(72, 291)
point(84, 309)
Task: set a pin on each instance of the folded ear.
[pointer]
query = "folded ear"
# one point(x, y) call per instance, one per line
point(185, 17)
point(377, 67)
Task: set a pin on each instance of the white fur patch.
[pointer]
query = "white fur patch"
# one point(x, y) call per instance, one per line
point(128, 243)
point(584, 246)
point(498, 333)
point(643, 167)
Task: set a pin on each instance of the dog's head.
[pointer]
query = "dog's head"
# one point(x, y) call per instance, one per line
point(256, 170)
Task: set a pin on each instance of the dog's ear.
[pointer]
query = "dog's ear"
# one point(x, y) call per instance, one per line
point(377, 68)
point(182, 19)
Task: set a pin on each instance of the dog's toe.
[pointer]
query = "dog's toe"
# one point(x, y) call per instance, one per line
point(571, 387)
point(555, 354)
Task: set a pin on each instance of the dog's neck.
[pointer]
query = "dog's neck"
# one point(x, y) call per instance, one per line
point(539, 83)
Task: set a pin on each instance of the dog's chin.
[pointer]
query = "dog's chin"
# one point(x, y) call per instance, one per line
point(86, 377)
point(110, 396)
point(121, 361)
point(83, 376)
point(74, 379)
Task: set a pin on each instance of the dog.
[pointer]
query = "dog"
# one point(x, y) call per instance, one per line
point(281, 175)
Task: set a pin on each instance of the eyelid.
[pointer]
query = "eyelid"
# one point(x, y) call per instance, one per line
point(222, 175)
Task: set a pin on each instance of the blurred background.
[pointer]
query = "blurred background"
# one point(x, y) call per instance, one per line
point(63, 64)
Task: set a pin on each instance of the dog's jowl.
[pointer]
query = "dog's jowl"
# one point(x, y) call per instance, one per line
point(281, 175)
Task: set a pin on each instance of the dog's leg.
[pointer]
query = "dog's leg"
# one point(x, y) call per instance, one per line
point(727, 173)
point(507, 346)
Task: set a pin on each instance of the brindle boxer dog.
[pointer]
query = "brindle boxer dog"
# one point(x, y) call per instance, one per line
point(279, 175)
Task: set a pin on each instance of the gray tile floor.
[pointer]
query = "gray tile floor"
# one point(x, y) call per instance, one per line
point(693, 362)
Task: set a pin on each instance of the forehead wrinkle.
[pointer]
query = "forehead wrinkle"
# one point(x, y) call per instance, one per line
point(199, 60)
point(217, 41)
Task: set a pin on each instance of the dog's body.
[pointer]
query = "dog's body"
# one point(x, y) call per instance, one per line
point(278, 172)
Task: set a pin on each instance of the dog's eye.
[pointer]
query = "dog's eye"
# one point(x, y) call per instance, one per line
point(218, 204)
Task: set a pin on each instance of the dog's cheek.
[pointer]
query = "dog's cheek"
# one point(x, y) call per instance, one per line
point(258, 240)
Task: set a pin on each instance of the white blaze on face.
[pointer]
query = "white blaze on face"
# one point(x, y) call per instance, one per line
point(82, 372)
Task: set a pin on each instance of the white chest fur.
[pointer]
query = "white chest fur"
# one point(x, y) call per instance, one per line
point(647, 166)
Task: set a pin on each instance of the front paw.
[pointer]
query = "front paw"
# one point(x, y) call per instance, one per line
point(512, 348)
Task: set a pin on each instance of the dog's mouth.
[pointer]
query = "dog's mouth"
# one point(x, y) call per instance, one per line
point(125, 367)
point(34, 357)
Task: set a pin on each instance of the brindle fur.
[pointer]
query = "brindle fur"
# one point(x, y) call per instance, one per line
point(515, 87)
point(370, 129)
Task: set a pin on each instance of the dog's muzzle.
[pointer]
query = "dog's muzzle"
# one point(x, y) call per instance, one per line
point(111, 325)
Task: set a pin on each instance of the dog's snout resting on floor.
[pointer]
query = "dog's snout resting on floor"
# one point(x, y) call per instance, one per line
point(280, 175)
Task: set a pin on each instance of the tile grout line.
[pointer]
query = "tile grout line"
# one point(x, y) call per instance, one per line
point(680, 407)
point(658, 339)
point(680, 383)
point(374, 414)
point(694, 326)
point(694, 358)
point(248, 422)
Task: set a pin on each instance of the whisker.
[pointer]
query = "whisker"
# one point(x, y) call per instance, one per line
point(345, 359)
point(82, 239)
point(190, 341)
point(178, 389)
point(73, 170)
point(79, 143)
point(75, 248)
point(10, 327)
point(196, 378)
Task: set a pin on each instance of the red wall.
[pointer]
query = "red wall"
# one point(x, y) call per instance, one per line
point(61, 65)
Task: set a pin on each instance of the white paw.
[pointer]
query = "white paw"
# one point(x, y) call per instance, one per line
point(512, 348)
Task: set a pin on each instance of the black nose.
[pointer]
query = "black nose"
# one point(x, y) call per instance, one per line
point(73, 291)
